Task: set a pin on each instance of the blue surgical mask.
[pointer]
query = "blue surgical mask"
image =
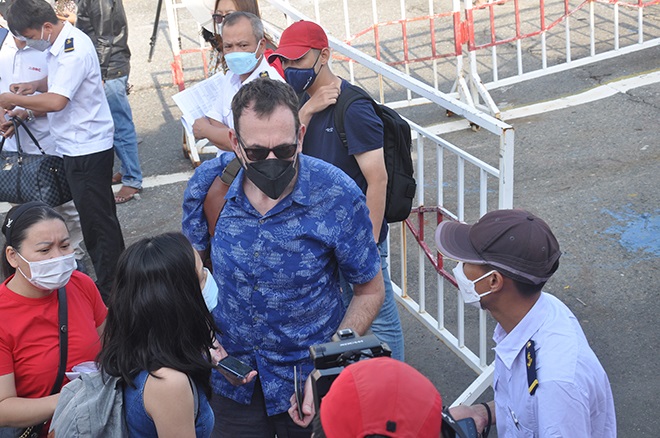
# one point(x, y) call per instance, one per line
point(41, 44)
point(301, 78)
point(241, 63)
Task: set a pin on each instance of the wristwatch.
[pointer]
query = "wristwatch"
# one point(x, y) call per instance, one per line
point(30, 115)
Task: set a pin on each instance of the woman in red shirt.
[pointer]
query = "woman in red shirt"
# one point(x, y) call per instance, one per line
point(37, 260)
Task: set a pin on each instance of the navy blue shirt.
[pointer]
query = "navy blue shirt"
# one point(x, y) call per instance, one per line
point(364, 132)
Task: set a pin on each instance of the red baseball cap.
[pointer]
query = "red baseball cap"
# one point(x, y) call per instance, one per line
point(381, 396)
point(298, 39)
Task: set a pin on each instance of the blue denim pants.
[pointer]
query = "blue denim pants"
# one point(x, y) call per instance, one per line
point(387, 325)
point(125, 139)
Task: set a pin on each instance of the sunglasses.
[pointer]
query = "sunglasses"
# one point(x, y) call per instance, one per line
point(219, 18)
point(259, 153)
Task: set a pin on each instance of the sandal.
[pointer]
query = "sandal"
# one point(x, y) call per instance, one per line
point(116, 178)
point(125, 194)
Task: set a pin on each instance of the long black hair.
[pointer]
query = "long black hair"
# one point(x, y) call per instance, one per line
point(16, 225)
point(157, 316)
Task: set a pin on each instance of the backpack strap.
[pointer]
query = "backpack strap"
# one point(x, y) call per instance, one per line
point(214, 201)
point(347, 96)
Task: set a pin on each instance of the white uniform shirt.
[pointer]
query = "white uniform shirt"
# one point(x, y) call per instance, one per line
point(85, 125)
point(25, 65)
point(573, 398)
point(231, 83)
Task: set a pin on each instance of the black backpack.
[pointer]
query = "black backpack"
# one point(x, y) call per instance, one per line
point(397, 145)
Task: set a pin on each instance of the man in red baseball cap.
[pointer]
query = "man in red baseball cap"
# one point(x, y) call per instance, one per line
point(380, 397)
point(547, 381)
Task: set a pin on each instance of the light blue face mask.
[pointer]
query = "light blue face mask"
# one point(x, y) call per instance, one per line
point(241, 63)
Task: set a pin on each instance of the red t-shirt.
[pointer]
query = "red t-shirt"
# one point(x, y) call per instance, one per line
point(29, 334)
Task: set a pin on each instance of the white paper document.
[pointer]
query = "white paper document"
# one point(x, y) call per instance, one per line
point(196, 101)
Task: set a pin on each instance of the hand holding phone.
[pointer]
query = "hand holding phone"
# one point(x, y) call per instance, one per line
point(235, 371)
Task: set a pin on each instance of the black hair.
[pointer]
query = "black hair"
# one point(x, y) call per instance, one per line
point(29, 14)
point(16, 225)
point(263, 96)
point(157, 316)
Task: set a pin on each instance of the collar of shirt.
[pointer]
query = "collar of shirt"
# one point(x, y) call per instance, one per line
point(58, 44)
point(510, 344)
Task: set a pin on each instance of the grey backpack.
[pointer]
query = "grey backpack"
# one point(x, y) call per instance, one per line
point(91, 406)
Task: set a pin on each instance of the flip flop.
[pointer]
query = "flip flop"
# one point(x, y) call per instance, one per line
point(116, 178)
point(125, 194)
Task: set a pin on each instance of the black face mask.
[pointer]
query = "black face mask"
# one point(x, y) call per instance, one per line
point(271, 176)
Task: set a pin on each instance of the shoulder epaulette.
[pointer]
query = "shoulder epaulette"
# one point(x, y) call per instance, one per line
point(530, 360)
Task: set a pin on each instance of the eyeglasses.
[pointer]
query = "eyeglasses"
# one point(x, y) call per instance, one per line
point(258, 153)
point(219, 18)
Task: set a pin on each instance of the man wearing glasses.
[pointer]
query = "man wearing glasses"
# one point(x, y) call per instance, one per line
point(80, 121)
point(243, 43)
point(290, 224)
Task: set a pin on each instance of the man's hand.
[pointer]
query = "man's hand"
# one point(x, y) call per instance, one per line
point(200, 127)
point(6, 102)
point(324, 97)
point(6, 129)
point(217, 354)
point(477, 412)
point(307, 406)
point(23, 88)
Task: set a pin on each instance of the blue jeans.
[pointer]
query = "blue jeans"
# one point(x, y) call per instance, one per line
point(387, 325)
point(125, 140)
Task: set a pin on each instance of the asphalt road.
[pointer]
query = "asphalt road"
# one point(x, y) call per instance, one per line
point(592, 171)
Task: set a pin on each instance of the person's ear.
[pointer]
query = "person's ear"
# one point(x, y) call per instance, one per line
point(496, 282)
point(301, 136)
point(11, 255)
point(325, 55)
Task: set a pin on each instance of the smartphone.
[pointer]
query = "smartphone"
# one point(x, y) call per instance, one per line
point(235, 367)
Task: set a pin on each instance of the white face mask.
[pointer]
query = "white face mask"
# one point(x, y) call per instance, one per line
point(210, 291)
point(50, 274)
point(466, 286)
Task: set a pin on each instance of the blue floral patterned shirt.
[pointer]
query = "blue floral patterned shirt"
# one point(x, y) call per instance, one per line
point(277, 273)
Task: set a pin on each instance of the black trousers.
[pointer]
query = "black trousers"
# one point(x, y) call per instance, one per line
point(236, 420)
point(89, 178)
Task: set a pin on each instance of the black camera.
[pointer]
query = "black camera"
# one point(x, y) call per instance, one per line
point(332, 357)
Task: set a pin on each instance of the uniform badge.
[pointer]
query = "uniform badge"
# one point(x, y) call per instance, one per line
point(530, 360)
point(68, 45)
point(264, 74)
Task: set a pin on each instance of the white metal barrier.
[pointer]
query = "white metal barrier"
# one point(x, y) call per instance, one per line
point(472, 46)
point(429, 149)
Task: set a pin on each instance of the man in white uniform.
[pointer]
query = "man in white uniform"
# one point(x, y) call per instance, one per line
point(547, 382)
point(19, 63)
point(243, 45)
point(80, 121)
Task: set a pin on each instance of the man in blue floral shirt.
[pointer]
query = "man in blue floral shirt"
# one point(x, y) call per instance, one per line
point(289, 225)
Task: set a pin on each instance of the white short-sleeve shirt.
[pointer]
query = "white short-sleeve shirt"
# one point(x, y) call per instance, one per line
point(25, 65)
point(85, 125)
point(573, 397)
